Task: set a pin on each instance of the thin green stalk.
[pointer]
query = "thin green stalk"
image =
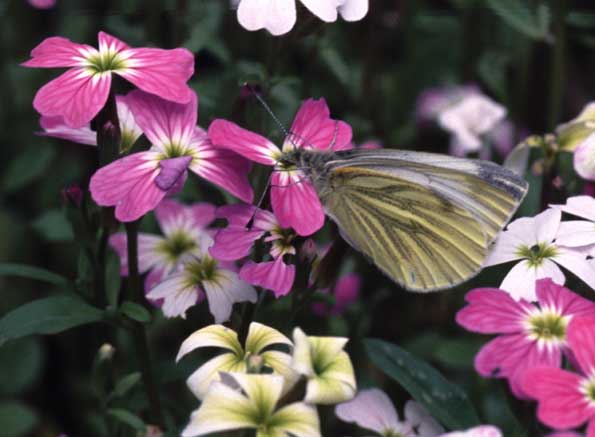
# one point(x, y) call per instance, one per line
point(557, 64)
point(135, 294)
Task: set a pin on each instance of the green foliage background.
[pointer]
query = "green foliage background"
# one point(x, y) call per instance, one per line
point(535, 57)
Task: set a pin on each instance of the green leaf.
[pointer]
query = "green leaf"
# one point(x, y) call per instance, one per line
point(47, 316)
point(584, 20)
point(53, 226)
point(128, 418)
point(29, 272)
point(447, 402)
point(16, 419)
point(135, 312)
point(27, 167)
point(124, 385)
point(518, 15)
point(22, 362)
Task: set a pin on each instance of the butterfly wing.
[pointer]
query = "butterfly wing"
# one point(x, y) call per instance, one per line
point(426, 220)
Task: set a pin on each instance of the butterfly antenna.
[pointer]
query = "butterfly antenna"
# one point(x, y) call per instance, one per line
point(267, 109)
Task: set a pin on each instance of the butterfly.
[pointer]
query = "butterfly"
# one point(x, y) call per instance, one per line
point(426, 220)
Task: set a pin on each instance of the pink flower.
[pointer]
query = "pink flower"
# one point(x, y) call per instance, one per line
point(182, 226)
point(293, 198)
point(42, 4)
point(532, 240)
point(129, 130)
point(478, 431)
point(531, 334)
point(236, 240)
point(584, 158)
point(567, 399)
point(80, 93)
point(433, 101)
point(137, 183)
point(345, 292)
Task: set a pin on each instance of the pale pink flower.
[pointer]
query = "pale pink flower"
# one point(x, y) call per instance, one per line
point(137, 183)
point(80, 93)
point(478, 431)
point(577, 233)
point(279, 16)
point(532, 240)
point(531, 334)
point(565, 434)
point(42, 4)
point(129, 130)
point(584, 158)
point(345, 292)
point(372, 409)
point(293, 197)
point(371, 145)
point(200, 275)
point(433, 101)
point(236, 240)
point(182, 227)
point(567, 399)
point(469, 119)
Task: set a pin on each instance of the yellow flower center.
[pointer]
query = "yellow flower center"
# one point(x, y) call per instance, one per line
point(177, 244)
point(535, 255)
point(547, 326)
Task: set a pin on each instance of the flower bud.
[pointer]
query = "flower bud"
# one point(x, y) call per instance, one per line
point(72, 195)
point(106, 352)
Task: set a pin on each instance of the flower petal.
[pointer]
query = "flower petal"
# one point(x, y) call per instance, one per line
point(581, 332)
point(128, 184)
point(226, 290)
point(129, 129)
point(77, 96)
point(478, 431)
point(212, 336)
point(326, 10)
point(233, 243)
point(148, 256)
point(353, 10)
point(578, 264)
point(280, 363)
point(421, 419)
point(336, 384)
point(56, 128)
point(295, 202)
point(201, 379)
point(58, 52)
point(160, 72)
point(252, 146)
point(261, 336)
point(552, 295)
point(370, 409)
point(575, 233)
point(520, 281)
point(584, 158)
point(276, 16)
point(547, 224)
point(272, 275)
point(581, 206)
point(177, 295)
point(236, 214)
point(297, 419)
point(171, 171)
point(109, 43)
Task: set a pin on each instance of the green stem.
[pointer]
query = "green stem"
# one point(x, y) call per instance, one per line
point(135, 294)
point(557, 65)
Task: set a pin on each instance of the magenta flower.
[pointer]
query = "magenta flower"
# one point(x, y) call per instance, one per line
point(236, 240)
point(346, 292)
point(182, 226)
point(293, 197)
point(80, 93)
point(130, 131)
point(137, 183)
point(567, 399)
point(42, 4)
point(531, 334)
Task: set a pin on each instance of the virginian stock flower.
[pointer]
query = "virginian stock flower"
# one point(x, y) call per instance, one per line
point(253, 357)
point(80, 93)
point(531, 334)
point(293, 198)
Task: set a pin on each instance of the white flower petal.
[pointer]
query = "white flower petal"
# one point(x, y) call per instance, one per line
point(575, 233)
point(326, 10)
point(280, 362)
point(354, 10)
point(370, 409)
point(580, 206)
point(547, 224)
point(212, 336)
point(298, 419)
point(578, 264)
point(419, 417)
point(201, 379)
point(226, 290)
point(584, 158)
point(520, 282)
point(276, 16)
point(261, 336)
point(176, 294)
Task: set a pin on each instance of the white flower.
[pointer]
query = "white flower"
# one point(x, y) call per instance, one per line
point(533, 241)
point(242, 401)
point(478, 431)
point(239, 358)
point(372, 409)
point(278, 16)
point(469, 119)
point(577, 233)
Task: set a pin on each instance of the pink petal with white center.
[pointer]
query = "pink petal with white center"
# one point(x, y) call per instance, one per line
point(172, 216)
point(564, 300)
point(561, 404)
point(574, 233)
point(520, 281)
point(226, 290)
point(272, 275)
point(129, 185)
point(128, 125)
point(584, 158)
point(580, 206)
point(581, 332)
point(313, 127)
point(265, 220)
point(276, 16)
point(77, 96)
point(164, 123)
point(370, 409)
point(591, 428)
point(233, 243)
point(58, 52)
point(110, 43)
point(172, 172)
point(492, 311)
point(547, 224)
point(237, 214)
point(295, 202)
point(203, 214)
point(160, 72)
point(56, 128)
point(176, 294)
point(252, 146)
point(346, 292)
point(577, 263)
point(148, 256)
point(223, 168)
point(509, 356)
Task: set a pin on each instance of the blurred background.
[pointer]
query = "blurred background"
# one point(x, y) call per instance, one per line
point(533, 57)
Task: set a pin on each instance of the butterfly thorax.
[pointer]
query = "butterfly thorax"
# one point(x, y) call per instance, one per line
point(312, 163)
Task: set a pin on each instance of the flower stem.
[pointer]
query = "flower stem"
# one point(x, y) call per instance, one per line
point(135, 294)
point(557, 65)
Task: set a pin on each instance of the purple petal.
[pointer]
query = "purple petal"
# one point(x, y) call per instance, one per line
point(172, 170)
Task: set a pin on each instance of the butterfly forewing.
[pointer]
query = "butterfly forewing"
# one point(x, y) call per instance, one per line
point(425, 220)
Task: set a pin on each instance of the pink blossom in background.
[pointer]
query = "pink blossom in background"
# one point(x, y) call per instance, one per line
point(565, 434)
point(478, 431)
point(566, 399)
point(584, 158)
point(279, 16)
point(236, 240)
point(293, 198)
point(42, 4)
point(372, 409)
point(129, 130)
point(182, 227)
point(80, 93)
point(433, 101)
point(137, 183)
point(530, 334)
point(532, 241)
point(345, 292)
